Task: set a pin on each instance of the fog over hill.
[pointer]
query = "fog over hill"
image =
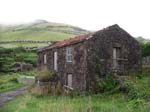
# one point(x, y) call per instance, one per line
point(39, 30)
point(42, 30)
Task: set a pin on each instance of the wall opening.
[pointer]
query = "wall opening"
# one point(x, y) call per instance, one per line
point(55, 61)
point(116, 57)
point(69, 80)
point(45, 58)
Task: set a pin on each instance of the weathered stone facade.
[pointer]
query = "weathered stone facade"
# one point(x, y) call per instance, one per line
point(94, 55)
point(19, 66)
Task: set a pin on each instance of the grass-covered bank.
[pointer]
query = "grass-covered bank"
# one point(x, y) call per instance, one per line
point(136, 100)
point(92, 103)
point(9, 82)
point(8, 57)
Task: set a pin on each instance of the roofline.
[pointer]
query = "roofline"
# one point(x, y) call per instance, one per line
point(84, 39)
point(61, 46)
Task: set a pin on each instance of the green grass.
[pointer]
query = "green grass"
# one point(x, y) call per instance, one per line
point(93, 103)
point(143, 85)
point(37, 35)
point(28, 35)
point(8, 82)
point(12, 55)
point(117, 102)
point(41, 31)
point(14, 45)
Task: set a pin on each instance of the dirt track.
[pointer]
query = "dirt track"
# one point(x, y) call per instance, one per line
point(7, 96)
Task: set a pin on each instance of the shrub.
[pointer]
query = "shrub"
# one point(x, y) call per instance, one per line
point(44, 74)
point(47, 83)
point(2, 82)
point(14, 79)
point(132, 91)
point(136, 103)
point(146, 49)
point(107, 84)
point(9, 56)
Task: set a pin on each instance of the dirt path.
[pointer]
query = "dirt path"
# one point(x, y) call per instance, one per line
point(7, 96)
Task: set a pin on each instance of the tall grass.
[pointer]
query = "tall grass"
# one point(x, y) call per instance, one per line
point(92, 103)
point(9, 82)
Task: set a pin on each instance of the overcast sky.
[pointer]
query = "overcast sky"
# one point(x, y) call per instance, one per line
point(132, 15)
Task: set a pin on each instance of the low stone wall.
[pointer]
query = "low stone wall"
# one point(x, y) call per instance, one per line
point(25, 41)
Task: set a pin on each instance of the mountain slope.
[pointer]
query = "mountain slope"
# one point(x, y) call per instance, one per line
point(39, 30)
point(142, 40)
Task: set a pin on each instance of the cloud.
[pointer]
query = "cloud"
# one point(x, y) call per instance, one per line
point(132, 15)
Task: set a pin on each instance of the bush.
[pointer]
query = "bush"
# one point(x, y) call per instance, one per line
point(12, 55)
point(146, 49)
point(132, 91)
point(14, 79)
point(136, 103)
point(104, 85)
point(2, 82)
point(44, 74)
point(47, 83)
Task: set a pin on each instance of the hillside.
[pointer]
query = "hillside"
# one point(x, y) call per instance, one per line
point(142, 40)
point(38, 30)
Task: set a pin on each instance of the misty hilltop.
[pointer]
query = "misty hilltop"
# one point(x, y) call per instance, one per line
point(39, 30)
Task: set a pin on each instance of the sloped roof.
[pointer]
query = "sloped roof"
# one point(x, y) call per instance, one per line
point(74, 40)
point(69, 41)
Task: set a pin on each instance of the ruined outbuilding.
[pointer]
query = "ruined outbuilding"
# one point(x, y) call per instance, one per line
point(22, 66)
point(78, 61)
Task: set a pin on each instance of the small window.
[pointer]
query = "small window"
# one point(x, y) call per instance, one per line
point(45, 58)
point(68, 54)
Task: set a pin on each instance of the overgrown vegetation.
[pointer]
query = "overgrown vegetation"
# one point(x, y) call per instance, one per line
point(145, 49)
point(92, 103)
point(47, 83)
point(105, 85)
point(134, 99)
point(44, 74)
point(8, 57)
point(9, 82)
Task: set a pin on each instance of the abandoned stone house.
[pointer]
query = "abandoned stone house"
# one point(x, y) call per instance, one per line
point(77, 61)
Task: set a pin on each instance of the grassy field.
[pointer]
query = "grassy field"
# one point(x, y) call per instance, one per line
point(9, 82)
point(38, 31)
point(116, 102)
point(38, 35)
point(92, 103)
point(14, 45)
point(10, 56)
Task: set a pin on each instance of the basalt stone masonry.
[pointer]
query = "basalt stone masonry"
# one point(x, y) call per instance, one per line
point(78, 61)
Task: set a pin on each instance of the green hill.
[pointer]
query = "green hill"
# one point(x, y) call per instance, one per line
point(39, 30)
point(142, 40)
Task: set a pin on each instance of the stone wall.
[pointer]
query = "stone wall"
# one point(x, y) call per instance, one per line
point(97, 50)
point(77, 67)
point(100, 53)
